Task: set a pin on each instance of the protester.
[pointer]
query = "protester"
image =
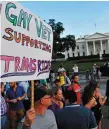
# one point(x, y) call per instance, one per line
point(100, 102)
point(52, 76)
point(40, 117)
point(52, 79)
point(3, 108)
point(15, 96)
point(74, 116)
point(88, 100)
point(107, 90)
point(57, 100)
point(57, 83)
point(98, 73)
point(7, 86)
point(76, 87)
point(67, 73)
point(61, 78)
point(43, 82)
point(87, 75)
point(94, 71)
point(26, 101)
point(36, 83)
point(107, 93)
point(75, 69)
point(61, 69)
point(67, 82)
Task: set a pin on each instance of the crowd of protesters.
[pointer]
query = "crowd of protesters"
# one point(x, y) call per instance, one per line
point(60, 103)
point(94, 73)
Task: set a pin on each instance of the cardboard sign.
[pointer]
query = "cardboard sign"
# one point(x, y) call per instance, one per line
point(26, 44)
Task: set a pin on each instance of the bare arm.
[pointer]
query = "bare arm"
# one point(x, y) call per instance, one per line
point(29, 119)
point(11, 101)
point(102, 100)
point(23, 97)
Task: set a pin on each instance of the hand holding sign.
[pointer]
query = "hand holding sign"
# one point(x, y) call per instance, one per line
point(30, 116)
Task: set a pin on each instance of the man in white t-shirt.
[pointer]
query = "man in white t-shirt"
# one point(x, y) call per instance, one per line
point(40, 117)
point(75, 69)
point(61, 69)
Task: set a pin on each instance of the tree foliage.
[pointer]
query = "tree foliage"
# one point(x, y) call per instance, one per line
point(61, 44)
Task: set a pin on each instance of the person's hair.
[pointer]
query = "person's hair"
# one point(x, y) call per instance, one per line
point(71, 96)
point(73, 77)
point(55, 90)
point(93, 84)
point(57, 80)
point(89, 91)
point(36, 81)
point(87, 94)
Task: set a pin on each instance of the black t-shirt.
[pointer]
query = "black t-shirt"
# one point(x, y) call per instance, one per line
point(75, 117)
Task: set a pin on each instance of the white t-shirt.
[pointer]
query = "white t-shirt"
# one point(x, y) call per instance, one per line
point(75, 69)
point(61, 69)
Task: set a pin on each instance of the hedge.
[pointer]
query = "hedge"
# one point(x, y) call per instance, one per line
point(93, 60)
point(87, 57)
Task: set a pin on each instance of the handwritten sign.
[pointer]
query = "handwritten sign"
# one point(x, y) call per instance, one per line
point(26, 44)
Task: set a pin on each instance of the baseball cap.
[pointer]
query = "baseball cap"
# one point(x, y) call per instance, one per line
point(40, 93)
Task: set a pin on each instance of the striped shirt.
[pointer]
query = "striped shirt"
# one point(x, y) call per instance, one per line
point(3, 106)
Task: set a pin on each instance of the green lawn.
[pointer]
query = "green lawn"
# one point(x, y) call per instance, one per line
point(69, 64)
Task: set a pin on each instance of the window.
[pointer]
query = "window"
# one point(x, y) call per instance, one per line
point(73, 54)
point(91, 53)
point(78, 54)
point(68, 55)
point(83, 53)
point(82, 46)
point(103, 51)
point(77, 47)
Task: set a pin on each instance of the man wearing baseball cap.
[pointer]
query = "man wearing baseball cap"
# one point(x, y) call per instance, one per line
point(40, 117)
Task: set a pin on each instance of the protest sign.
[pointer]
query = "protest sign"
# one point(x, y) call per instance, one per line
point(26, 44)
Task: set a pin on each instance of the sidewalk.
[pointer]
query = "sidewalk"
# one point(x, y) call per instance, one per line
point(105, 120)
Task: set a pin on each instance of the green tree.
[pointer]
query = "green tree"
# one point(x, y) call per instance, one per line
point(57, 31)
point(69, 41)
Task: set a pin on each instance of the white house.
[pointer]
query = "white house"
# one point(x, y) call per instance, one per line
point(90, 45)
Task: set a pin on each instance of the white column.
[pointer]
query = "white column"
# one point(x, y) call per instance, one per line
point(70, 52)
point(66, 54)
point(94, 47)
point(87, 49)
point(101, 47)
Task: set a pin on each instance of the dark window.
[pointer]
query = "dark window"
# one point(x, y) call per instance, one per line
point(73, 54)
point(78, 54)
point(103, 51)
point(83, 53)
point(77, 47)
point(91, 53)
point(82, 46)
point(68, 55)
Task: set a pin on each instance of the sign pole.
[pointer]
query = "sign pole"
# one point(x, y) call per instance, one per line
point(32, 94)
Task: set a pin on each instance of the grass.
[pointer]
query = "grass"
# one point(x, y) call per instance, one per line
point(69, 64)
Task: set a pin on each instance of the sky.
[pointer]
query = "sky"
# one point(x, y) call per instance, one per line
point(78, 18)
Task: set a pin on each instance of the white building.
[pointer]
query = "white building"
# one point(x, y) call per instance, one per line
point(90, 45)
